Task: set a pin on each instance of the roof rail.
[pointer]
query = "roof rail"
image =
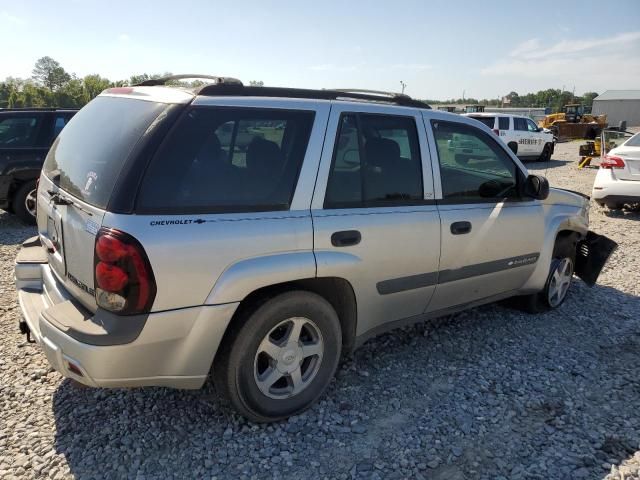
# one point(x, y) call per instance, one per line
point(39, 109)
point(228, 89)
point(163, 80)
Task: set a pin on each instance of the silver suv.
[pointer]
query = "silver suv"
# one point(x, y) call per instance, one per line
point(257, 234)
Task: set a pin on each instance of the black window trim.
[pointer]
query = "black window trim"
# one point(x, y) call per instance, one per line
point(520, 177)
point(373, 203)
point(138, 209)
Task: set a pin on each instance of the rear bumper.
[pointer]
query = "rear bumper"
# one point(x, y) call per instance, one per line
point(173, 348)
point(608, 189)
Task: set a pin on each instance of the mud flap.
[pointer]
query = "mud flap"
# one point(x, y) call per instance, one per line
point(591, 255)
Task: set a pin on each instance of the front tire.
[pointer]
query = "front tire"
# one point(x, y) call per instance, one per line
point(25, 201)
point(280, 357)
point(558, 282)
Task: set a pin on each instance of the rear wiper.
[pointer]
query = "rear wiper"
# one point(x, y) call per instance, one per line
point(58, 199)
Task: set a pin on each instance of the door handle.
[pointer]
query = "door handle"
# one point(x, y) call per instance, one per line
point(346, 238)
point(460, 228)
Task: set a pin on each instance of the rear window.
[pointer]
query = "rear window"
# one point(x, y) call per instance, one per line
point(223, 160)
point(488, 121)
point(633, 141)
point(503, 123)
point(88, 155)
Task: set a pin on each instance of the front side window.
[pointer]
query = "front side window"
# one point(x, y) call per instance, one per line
point(223, 160)
point(19, 131)
point(59, 123)
point(520, 124)
point(376, 162)
point(503, 123)
point(532, 126)
point(473, 167)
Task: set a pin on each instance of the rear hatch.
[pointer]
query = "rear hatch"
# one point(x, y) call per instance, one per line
point(78, 179)
point(629, 152)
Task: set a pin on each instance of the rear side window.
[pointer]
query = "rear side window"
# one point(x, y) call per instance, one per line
point(88, 155)
point(223, 160)
point(488, 121)
point(520, 124)
point(376, 162)
point(503, 123)
point(19, 131)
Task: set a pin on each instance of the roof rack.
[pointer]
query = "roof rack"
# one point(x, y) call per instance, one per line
point(163, 80)
point(233, 89)
point(39, 109)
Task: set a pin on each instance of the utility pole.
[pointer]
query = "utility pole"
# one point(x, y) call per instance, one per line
point(403, 85)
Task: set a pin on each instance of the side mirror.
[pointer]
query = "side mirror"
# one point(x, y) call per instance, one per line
point(536, 186)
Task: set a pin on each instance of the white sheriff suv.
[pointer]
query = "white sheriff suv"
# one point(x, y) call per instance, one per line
point(520, 134)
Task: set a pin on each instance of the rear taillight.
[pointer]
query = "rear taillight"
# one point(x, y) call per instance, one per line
point(124, 281)
point(611, 161)
point(496, 131)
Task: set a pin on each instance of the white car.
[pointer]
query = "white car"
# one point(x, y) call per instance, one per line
point(521, 134)
point(617, 182)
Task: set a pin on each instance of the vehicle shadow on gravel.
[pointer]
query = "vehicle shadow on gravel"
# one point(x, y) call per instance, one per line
point(625, 214)
point(14, 231)
point(486, 393)
point(546, 165)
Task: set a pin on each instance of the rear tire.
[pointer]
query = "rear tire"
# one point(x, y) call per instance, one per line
point(280, 357)
point(25, 201)
point(558, 282)
point(513, 146)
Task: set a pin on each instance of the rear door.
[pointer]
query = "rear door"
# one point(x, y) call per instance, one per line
point(23, 142)
point(375, 222)
point(491, 236)
point(79, 176)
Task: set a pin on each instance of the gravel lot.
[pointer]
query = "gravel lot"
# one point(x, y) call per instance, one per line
point(490, 394)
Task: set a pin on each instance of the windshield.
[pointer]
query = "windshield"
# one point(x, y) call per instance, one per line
point(488, 121)
point(87, 157)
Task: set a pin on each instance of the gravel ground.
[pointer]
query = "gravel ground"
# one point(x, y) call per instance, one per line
point(489, 394)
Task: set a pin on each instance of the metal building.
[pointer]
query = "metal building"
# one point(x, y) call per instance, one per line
point(619, 105)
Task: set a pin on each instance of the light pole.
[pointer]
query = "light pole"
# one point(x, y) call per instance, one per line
point(403, 85)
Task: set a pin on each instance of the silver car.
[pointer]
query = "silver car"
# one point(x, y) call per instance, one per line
point(256, 234)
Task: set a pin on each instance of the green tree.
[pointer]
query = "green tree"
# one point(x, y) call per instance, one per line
point(93, 85)
point(49, 73)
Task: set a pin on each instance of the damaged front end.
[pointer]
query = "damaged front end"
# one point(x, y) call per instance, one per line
point(591, 255)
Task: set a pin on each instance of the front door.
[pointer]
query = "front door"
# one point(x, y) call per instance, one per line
point(375, 222)
point(491, 236)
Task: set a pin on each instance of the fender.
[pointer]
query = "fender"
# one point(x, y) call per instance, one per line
point(248, 275)
point(558, 219)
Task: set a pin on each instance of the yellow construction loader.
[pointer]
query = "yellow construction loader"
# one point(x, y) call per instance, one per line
point(575, 121)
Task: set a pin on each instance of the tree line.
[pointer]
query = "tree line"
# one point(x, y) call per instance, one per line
point(52, 86)
point(551, 98)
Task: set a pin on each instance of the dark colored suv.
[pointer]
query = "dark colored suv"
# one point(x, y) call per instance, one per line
point(25, 138)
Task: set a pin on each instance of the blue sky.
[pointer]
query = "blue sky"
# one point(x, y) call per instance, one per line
point(439, 48)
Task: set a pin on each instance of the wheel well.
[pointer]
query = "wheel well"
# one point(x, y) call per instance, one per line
point(337, 291)
point(569, 236)
point(513, 146)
